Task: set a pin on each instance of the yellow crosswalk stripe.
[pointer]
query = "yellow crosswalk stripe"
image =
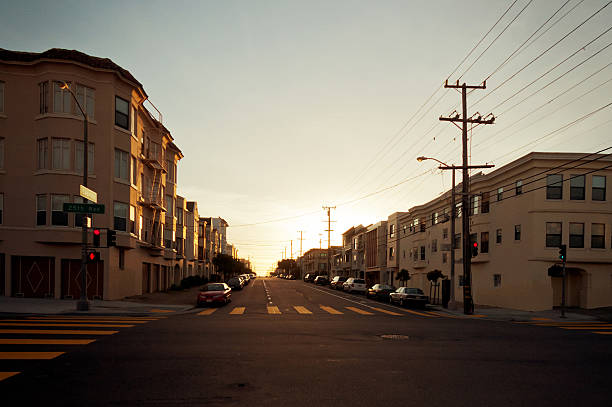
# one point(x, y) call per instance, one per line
point(418, 313)
point(331, 310)
point(46, 341)
point(385, 311)
point(77, 320)
point(238, 311)
point(6, 375)
point(302, 310)
point(55, 332)
point(207, 311)
point(29, 355)
point(273, 309)
point(359, 311)
point(65, 325)
point(97, 317)
point(603, 333)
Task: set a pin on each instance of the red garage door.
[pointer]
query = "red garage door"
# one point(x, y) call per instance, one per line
point(71, 279)
point(33, 277)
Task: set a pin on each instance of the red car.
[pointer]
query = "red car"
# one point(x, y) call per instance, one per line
point(212, 293)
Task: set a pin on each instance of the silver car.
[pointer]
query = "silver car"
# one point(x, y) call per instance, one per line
point(409, 296)
point(355, 285)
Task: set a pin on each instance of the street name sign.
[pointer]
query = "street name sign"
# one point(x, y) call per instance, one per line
point(88, 194)
point(83, 208)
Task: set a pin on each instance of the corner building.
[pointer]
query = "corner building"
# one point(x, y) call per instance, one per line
point(132, 167)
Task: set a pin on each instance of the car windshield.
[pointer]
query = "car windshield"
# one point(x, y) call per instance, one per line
point(214, 287)
point(414, 291)
point(359, 281)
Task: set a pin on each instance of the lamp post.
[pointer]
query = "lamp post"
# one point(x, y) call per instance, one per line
point(82, 304)
point(452, 228)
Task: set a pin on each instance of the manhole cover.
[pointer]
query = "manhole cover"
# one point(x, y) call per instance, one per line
point(395, 337)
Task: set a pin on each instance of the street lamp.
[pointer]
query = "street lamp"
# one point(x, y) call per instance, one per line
point(444, 166)
point(82, 304)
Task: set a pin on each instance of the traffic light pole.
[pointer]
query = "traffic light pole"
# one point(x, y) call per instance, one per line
point(563, 251)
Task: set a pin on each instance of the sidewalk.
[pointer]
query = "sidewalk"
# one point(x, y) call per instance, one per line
point(505, 314)
point(11, 305)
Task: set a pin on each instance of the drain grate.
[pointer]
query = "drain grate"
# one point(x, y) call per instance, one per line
point(395, 337)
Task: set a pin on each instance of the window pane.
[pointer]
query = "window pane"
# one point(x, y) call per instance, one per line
point(599, 188)
point(577, 187)
point(598, 236)
point(554, 186)
point(43, 148)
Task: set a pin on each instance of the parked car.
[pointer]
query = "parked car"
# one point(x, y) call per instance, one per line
point(291, 277)
point(380, 292)
point(253, 275)
point(355, 285)
point(246, 277)
point(309, 278)
point(321, 280)
point(214, 293)
point(337, 282)
point(409, 296)
point(235, 283)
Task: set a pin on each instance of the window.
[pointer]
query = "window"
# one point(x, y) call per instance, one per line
point(434, 245)
point(577, 187)
point(458, 209)
point(169, 206)
point(41, 210)
point(474, 205)
point(422, 252)
point(121, 258)
point(445, 233)
point(484, 242)
point(121, 165)
point(78, 157)
point(518, 188)
point(61, 154)
point(1, 97)
point(132, 226)
point(61, 99)
point(553, 234)
point(517, 232)
point(171, 171)
point(1, 208)
point(58, 216)
point(392, 231)
point(43, 153)
point(554, 186)
point(576, 235)
point(179, 215)
point(391, 253)
point(43, 90)
point(122, 113)
point(599, 188)
point(457, 242)
point(498, 236)
point(134, 123)
point(134, 171)
point(168, 238)
point(485, 202)
point(1, 153)
point(598, 236)
point(500, 193)
point(435, 218)
point(444, 258)
point(415, 254)
point(120, 211)
point(496, 280)
point(87, 99)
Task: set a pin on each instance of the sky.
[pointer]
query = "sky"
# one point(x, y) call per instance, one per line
point(283, 107)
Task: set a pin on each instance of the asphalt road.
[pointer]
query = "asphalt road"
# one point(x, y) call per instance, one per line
point(322, 348)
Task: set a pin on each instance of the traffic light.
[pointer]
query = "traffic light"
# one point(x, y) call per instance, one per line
point(474, 249)
point(96, 237)
point(111, 238)
point(93, 256)
point(562, 252)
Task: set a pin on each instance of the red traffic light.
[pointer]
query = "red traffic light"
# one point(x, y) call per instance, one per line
point(96, 232)
point(475, 244)
point(92, 256)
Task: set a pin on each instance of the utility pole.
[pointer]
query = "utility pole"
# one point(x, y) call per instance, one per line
point(301, 271)
point(468, 303)
point(329, 230)
point(291, 249)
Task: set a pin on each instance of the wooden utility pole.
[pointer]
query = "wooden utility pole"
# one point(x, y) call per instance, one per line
point(329, 230)
point(291, 256)
point(468, 303)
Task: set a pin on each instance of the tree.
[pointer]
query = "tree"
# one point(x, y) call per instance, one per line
point(403, 276)
point(228, 266)
point(289, 265)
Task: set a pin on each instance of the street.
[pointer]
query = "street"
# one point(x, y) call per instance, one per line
point(282, 342)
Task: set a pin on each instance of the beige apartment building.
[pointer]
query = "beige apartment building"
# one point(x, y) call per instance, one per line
point(520, 214)
point(132, 167)
point(376, 254)
point(352, 263)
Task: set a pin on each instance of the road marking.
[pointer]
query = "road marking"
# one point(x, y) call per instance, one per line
point(273, 309)
point(161, 311)
point(29, 355)
point(585, 328)
point(84, 325)
point(331, 310)
point(385, 311)
point(594, 323)
point(207, 311)
point(238, 311)
point(97, 318)
point(55, 332)
point(360, 311)
point(418, 313)
point(602, 333)
point(46, 341)
point(6, 375)
point(76, 320)
point(302, 310)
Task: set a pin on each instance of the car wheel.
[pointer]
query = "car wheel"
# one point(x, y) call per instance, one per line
point(401, 302)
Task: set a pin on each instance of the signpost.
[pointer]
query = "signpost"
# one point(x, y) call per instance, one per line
point(88, 194)
point(83, 208)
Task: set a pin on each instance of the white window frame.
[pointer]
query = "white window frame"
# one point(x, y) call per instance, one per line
point(63, 149)
point(41, 198)
point(64, 99)
point(87, 98)
point(119, 207)
point(122, 165)
point(59, 199)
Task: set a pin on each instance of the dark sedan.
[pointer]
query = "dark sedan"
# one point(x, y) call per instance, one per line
point(408, 296)
point(380, 292)
point(214, 293)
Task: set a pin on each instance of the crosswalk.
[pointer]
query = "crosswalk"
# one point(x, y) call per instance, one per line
point(594, 327)
point(46, 337)
point(322, 309)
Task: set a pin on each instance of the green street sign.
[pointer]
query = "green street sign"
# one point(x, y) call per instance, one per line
point(83, 208)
